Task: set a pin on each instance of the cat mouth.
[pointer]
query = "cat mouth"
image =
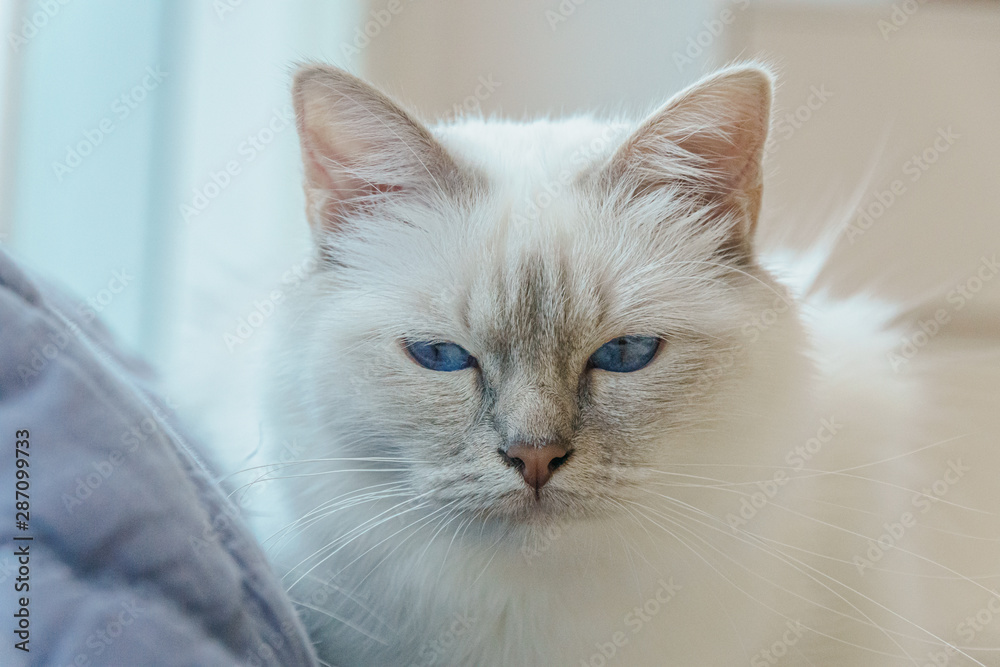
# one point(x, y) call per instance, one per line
point(531, 505)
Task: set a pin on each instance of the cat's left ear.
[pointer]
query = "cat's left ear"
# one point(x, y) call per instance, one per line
point(358, 146)
point(708, 141)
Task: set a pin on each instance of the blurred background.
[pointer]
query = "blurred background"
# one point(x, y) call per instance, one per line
point(148, 157)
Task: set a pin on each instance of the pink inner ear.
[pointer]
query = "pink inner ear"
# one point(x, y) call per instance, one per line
point(358, 145)
point(331, 184)
point(733, 156)
point(722, 123)
point(329, 170)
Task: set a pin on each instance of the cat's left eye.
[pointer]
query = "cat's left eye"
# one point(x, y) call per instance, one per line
point(439, 356)
point(625, 354)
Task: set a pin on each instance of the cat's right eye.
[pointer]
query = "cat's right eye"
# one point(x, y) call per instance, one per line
point(445, 357)
point(625, 354)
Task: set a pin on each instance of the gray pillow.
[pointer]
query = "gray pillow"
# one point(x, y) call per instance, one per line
point(135, 556)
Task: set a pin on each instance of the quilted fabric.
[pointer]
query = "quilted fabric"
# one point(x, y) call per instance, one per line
point(136, 557)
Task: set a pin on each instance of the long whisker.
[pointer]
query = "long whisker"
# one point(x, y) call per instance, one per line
point(777, 612)
point(799, 564)
point(341, 619)
point(839, 640)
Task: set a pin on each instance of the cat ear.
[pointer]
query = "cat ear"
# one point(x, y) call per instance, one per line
point(708, 140)
point(358, 145)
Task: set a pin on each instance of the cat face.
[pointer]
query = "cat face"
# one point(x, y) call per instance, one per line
point(525, 319)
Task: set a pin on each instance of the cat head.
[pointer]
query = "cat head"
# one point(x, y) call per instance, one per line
point(523, 320)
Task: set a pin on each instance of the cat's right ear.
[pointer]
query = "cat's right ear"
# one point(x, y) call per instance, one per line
point(708, 142)
point(359, 146)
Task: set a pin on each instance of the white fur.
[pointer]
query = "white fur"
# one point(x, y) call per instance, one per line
point(399, 557)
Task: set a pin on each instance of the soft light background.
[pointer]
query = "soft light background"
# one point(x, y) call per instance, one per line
point(179, 223)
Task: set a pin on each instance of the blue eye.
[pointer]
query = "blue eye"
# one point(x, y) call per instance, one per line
point(440, 356)
point(625, 354)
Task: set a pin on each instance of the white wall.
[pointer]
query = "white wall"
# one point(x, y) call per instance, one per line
point(79, 159)
point(237, 230)
point(896, 83)
point(111, 228)
point(10, 85)
point(549, 56)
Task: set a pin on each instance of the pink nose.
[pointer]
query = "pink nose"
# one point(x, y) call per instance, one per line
point(536, 464)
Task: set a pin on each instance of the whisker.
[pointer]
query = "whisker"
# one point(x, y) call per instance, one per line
point(341, 619)
point(782, 615)
point(797, 564)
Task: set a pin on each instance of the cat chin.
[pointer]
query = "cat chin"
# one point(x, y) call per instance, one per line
point(520, 514)
point(549, 510)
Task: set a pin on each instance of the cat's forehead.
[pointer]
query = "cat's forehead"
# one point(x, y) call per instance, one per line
point(527, 159)
point(535, 260)
point(534, 305)
point(528, 285)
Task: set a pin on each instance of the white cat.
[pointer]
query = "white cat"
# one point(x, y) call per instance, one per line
point(549, 408)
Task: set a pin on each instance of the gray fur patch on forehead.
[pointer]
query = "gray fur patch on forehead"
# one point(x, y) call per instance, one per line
point(535, 312)
point(531, 366)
